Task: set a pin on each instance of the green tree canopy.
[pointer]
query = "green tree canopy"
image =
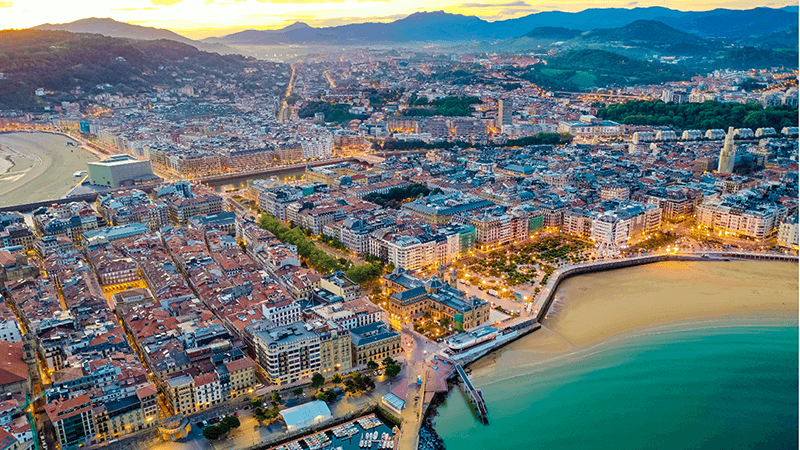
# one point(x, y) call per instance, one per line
point(317, 380)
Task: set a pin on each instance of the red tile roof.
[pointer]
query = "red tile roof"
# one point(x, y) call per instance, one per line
point(12, 368)
point(240, 364)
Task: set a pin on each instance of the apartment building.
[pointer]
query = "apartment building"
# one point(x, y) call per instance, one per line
point(741, 217)
point(242, 376)
point(616, 222)
point(180, 392)
point(274, 201)
point(72, 220)
point(124, 207)
point(73, 421)
point(185, 200)
point(788, 232)
point(339, 284)
point(335, 353)
point(288, 353)
point(439, 209)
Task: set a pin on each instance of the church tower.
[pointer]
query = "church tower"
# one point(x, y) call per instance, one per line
point(728, 154)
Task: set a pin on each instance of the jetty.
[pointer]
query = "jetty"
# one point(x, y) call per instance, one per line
point(475, 394)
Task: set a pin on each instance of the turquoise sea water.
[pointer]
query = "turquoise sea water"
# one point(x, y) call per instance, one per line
point(730, 384)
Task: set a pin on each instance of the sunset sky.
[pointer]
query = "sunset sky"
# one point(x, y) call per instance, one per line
point(203, 18)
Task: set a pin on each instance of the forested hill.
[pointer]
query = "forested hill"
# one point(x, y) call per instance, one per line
point(584, 69)
point(60, 61)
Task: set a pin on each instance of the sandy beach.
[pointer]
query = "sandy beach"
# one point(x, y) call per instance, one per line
point(43, 166)
point(595, 308)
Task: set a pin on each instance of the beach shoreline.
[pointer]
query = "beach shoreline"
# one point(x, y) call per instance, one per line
point(589, 308)
point(51, 168)
point(584, 315)
point(596, 312)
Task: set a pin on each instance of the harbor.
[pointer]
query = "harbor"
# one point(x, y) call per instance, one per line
point(367, 432)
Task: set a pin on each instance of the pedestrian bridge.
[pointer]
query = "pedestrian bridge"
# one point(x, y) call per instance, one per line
point(475, 394)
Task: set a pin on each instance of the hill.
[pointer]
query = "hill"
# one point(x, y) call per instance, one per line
point(554, 33)
point(780, 39)
point(644, 33)
point(60, 61)
point(112, 28)
point(584, 69)
point(423, 26)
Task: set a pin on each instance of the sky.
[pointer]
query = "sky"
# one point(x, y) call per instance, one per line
point(198, 19)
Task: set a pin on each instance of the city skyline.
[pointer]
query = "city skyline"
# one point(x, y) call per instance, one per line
point(198, 19)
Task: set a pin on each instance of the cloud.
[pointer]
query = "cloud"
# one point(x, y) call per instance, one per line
point(165, 2)
point(6, 4)
point(316, 21)
point(510, 13)
point(493, 5)
point(148, 8)
point(332, 22)
point(318, 1)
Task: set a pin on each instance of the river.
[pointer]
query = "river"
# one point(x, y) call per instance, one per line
point(709, 360)
point(244, 181)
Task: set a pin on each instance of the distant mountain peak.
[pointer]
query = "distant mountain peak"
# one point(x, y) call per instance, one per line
point(296, 26)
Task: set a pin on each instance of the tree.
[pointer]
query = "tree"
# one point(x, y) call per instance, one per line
point(328, 396)
point(231, 422)
point(336, 378)
point(213, 432)
point(260, 415)
point(445, 322)
point(392, 370)
point(372, 365)
point(276, 398)
point(317, 380)
point(298, 392)
point(256, 402)
point(388, 361)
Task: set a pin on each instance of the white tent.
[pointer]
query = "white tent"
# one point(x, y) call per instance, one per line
point(306, 415)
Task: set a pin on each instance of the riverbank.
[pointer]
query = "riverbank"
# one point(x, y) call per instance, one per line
point(596, 314)
point(43, 166)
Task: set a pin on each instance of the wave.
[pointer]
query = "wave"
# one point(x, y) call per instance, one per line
point(616, 342)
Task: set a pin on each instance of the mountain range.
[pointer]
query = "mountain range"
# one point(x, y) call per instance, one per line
point(721, 24)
